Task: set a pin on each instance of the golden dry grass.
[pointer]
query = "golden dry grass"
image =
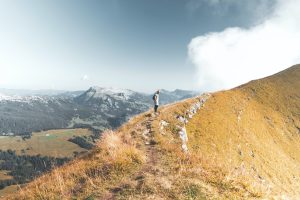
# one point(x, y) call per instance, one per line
point(91, 176)
point(243, 144)
point(251, 131)
point(8, 191)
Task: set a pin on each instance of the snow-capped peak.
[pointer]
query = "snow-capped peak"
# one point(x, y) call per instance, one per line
point(111, 90)
point(25, 99)
point(99, 92)
point(4, 97)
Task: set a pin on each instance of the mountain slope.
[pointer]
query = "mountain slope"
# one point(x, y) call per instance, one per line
point(242, 144)
point(253, 132)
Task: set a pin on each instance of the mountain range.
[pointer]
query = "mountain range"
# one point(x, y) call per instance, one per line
point(25, 111)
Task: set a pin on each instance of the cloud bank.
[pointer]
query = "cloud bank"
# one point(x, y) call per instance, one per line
point(234, 56)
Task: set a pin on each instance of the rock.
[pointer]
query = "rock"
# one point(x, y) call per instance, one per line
point(184, 147)
point(190, 113)
point(182, 119)
point(163, 124)
point(252, 154)
point(183, 136)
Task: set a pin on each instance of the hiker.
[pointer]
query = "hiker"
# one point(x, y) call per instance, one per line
point(156, 100)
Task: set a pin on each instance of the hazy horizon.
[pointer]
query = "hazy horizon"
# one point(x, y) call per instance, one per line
point(85, 89)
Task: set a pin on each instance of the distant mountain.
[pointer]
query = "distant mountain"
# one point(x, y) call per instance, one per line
point(71, 94)
point(109, 107)
point(23, 115)
point(106, 94)
point(176, 95)
point(23, 111)
point(20, 92)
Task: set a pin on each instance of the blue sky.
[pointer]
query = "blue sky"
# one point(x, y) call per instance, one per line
point(137, 44)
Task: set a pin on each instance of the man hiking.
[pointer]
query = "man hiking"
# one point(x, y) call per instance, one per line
point(156, 101)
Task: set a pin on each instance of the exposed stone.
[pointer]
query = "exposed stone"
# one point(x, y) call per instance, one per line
point(183, 136)
point(182, 119)
point(163, 124)
point(190, 113)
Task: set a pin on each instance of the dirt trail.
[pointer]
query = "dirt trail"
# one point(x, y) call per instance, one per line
point(150, 169)
point(150, 145)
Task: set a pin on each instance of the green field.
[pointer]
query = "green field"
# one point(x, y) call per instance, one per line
point(52, 143)
point(47, 143)
point(8, 190)
point(4, 175)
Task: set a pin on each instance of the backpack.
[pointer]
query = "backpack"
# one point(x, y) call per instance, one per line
point(154, 97)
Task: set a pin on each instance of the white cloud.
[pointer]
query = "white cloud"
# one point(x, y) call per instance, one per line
point(236, 55)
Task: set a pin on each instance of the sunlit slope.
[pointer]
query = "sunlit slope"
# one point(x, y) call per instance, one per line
point(253, 132)
point(242, 144)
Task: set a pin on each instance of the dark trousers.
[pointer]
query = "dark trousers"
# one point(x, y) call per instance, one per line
point(155, 108)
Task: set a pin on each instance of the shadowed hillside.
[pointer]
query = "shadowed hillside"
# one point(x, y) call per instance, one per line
point(241, 144)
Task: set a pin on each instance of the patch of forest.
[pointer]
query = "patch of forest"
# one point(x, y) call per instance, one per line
point(24, 168)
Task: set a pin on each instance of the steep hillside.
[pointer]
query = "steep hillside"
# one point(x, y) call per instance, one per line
point(237, 144)
point(253, 132)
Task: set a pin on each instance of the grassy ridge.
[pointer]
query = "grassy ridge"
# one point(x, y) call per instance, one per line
point(243, 144)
